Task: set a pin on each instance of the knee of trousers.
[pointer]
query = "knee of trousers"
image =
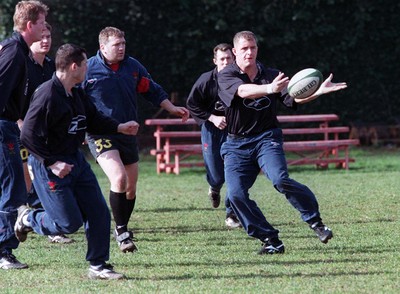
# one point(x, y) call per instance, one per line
point(7, 222)
point(69, 227)
point(285, 184)
point(237, 197)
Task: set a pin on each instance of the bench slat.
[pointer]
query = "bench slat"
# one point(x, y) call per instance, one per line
point(281, 119)
point(320, 145)
point(178, 134)
point(289, 131)
point(304, 161)
point(308, 131)
point(185, 148)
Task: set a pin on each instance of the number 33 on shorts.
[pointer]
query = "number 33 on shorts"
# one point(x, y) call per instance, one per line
point(102, 144)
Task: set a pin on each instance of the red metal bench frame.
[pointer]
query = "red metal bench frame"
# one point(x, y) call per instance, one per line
point(170, 156)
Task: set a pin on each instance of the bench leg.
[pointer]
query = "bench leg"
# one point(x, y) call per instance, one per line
point(346, 151)
point(168, 169)
point(158, 163)
point(176, 167)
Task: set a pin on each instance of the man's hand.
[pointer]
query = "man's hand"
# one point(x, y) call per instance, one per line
point(175, 110)
point(20, 122)
point(278, 84)
point(61, 169)
point(326, 87)
point(180, 111)
point(128, 128)
point(253, 91)
point(218, 121)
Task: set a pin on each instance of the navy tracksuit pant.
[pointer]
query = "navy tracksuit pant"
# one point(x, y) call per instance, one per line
point(70, 202)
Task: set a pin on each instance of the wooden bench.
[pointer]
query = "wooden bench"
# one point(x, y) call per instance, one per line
point(309, 139)
point(171, 157)
point(179, 152)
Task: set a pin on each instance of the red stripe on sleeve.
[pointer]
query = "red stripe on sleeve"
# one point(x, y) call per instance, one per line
point(143, 85)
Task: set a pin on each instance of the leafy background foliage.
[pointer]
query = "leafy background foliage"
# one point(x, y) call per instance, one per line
point(356, 40)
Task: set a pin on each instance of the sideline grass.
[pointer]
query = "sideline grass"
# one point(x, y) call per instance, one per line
point(184, 246)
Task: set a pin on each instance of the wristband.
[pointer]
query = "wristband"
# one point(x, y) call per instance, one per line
point(269, 89)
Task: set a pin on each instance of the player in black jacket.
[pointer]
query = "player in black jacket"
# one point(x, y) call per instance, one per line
point(54, 128)
point(206, 108)
point(252, 93)
point(40, 69)
point(29, 22)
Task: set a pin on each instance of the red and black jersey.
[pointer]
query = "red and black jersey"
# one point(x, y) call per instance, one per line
point(115, 89)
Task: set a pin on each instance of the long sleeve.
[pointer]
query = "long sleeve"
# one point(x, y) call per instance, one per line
point(202, 97)
point(56, 123)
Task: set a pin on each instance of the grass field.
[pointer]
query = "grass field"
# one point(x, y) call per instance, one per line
point(184, 246)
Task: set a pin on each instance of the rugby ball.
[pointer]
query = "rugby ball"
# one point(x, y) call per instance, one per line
point(304, 83)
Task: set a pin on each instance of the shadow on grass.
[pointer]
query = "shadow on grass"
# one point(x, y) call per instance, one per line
point(196, 228)
point(270, 275)
point(261, 261)
point(351, 250)
point(296, 226)
point(298, 233)
point(176, 209)
point(179, 229)
point(192, 229)
point(378, 220)
point(265, 274)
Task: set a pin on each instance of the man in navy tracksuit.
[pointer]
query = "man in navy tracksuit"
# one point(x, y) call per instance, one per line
point(206, 108)
point(29, 23)
point(251, 93)
point(54, 128)
point(40, 69)
point(114, 80)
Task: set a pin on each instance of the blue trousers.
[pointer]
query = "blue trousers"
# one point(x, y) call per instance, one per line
point(212, 139)
point(70, 202)
point(244, 157)
point(12, 184)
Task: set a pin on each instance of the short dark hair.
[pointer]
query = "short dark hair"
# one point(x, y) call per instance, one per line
point(222, 47)
point(68, 54)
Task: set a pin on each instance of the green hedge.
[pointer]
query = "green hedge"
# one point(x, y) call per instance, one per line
point(358, 41)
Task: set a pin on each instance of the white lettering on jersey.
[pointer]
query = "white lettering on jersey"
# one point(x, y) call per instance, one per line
point(78, 123)
point(257, 104)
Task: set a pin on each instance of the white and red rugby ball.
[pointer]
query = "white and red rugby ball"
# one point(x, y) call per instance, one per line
point(304, 83)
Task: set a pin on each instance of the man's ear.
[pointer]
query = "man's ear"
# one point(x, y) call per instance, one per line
point(73, 66)
point(215, 61)
point(234, 51)
point(29, 25)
